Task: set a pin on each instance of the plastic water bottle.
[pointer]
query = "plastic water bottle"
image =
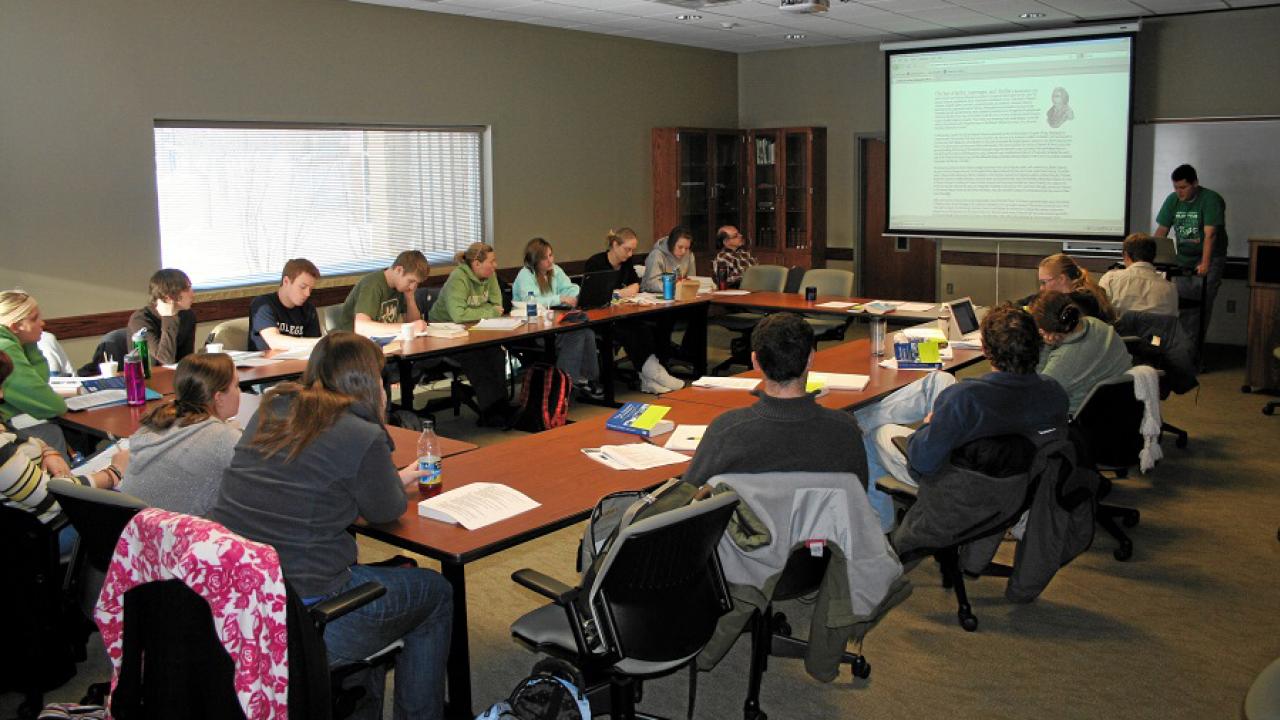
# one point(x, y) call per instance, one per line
point(617, 298)
point(140, 347)
point(531, 308)
point(430, 484)
point(135, 389)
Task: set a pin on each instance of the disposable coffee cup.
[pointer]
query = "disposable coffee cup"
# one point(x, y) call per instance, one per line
point(213, 348)
point(406, 331)
point(108, 368)
point(810, 293)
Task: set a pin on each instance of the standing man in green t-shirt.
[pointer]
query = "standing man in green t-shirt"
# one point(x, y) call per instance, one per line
point(1198, 217)
point(382, 300)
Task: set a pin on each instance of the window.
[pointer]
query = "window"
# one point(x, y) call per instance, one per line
point(237, 200)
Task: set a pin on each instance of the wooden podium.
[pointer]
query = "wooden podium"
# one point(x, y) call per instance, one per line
point(1261, 371)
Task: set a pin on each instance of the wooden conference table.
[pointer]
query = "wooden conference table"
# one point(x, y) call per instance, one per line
point(551, 469)
point(795, 302)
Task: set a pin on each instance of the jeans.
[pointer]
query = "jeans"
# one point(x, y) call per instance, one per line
point(417, 608)
point(885, 420)
point(1189, 288)
point(576, 354)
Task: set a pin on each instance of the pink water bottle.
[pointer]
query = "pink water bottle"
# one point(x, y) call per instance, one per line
point(135, 388)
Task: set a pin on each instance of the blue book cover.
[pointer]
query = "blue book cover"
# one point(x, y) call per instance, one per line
point(640, 419)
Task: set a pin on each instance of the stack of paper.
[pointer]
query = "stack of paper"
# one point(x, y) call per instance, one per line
point(686, 437)
point(837, 304)
point(726, 383)
point(301, 353)
point(476, 505)
point(839, 381)
point(635, 456)
point(731, 292)
point(444, 330)
point(499, 323)
point(916, 307)
point(705, 284)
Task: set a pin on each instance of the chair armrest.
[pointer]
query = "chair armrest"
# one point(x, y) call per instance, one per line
point(546, 586)
point(326, 611)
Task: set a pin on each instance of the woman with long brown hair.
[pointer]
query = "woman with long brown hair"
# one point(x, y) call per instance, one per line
point(314, 458)
point(183, 446)
point(547, 284)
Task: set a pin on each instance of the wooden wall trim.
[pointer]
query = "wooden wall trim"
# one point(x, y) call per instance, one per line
point(840, 253)
point(98, 324)
point(1021, 262)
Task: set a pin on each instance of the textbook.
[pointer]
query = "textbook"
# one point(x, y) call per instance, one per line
point(837, 381)
point(915, 354)
point(476, 505)
point(641, 419)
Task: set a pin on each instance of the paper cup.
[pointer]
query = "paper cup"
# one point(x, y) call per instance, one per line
point(108, 369)
point(406, 331)
point(213, 348)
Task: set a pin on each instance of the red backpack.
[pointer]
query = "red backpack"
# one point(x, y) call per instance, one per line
point(544, 399)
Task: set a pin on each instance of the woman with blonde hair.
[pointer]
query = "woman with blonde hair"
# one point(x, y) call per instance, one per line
point(26, 390)
point(1061, 273)
point(184, 444)
point(314, 458)
point(639, 339)
point(472, 293)
point(546, 282)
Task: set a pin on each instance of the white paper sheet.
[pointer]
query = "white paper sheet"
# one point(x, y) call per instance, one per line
point(917, 307)
point(685, 437)
point(837, 304)
point(840, 381)
point(500, 323)
point(642, 455)
point(726, 383)
point(731, 292)
point(476, 505)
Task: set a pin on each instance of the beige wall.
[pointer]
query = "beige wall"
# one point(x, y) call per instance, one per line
point(81, 82)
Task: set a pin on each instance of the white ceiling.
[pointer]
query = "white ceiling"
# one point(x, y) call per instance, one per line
point(754, 25)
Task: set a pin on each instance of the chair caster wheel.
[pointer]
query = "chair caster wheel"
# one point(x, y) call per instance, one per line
point(1181, 442)
point(861, 668)
point(969, 623)
point(781, 626)
point(755, 715)
point(1266, 410)
point(1124, 552)
point(1130, 520)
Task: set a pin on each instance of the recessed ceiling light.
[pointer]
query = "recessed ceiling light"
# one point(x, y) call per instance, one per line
point(688, 17)
point(795, 36)
point(1031, 16)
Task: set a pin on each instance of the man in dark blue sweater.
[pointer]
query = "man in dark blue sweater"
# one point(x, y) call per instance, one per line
point(1012, 399)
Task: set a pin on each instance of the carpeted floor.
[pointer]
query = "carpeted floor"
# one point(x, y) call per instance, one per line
point(1177, 632)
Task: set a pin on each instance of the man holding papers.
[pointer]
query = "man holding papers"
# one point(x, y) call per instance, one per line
point(786, 430)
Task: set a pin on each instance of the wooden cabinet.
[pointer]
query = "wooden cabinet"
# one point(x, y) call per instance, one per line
point(697, 182)
point(1264, 314)
point(771, 184)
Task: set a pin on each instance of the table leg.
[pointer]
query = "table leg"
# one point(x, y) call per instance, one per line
point(458, 665)
point(698, 323)
point(606, 362)
point(406, 382)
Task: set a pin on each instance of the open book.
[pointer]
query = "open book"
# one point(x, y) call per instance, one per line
point(444, 330)
point(476, 505)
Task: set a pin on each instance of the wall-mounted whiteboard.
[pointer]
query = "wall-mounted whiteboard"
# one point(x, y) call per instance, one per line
point(1238, 158)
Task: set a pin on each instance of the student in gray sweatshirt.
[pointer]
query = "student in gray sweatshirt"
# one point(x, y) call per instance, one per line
point(179, 453)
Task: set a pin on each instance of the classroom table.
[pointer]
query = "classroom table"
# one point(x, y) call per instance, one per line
point(795, 302)
point(548, 467)
point(849, 357)
point(599, 319)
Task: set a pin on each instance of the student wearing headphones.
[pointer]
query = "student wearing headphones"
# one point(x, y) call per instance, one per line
point(1079, 351)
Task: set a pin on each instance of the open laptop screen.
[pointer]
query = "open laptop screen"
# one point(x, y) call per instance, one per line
point(966, 318)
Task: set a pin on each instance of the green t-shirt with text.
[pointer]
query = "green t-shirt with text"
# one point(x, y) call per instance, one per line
point(375, 298)
point(1187, 221)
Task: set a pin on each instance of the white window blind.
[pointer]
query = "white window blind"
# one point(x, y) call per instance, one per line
point(237, 201)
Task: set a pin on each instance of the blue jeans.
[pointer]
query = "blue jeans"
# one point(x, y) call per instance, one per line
point(1190, 287)
point(905, 406)
point(417, 608)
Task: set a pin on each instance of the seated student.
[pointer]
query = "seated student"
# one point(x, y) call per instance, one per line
point(636, 336)
point(182, 447)
point(1138, 287)
point(314, 458)
point(471, 293)
point(26, 386)
point(670, 254)
point(382, 300)
point(287, 319)
point(733, 259)
point(1079, 351)
point(27, 464)
point(1061, 273)
point(1012, 399)
point(168, 318)
point(786, 430)
point(543, 280)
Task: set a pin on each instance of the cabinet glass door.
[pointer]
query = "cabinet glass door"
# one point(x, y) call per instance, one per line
point(694, 186)
point(727, 193)
point(764, 158)
point(798, 189)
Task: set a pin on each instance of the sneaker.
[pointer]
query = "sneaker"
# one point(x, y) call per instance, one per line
point(652, 387)
point(589, 389)
point(668, 380)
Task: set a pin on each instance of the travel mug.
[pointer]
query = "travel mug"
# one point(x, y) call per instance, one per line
point(668, 286)
point(135, 389)
point(810, 293)
point(878, 325)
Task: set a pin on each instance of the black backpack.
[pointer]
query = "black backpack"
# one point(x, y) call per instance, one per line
point(544, 399)
point(553, 691)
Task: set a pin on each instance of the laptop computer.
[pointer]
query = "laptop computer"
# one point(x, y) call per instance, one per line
point(597, 289)
point(1166, 251)
point(963, 324)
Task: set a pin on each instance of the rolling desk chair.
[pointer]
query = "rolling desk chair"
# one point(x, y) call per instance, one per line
point(1108, 426)
point(767, 278)
point(233, 334)
point(829, 281)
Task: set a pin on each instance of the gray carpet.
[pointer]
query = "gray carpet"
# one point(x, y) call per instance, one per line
point(1177, 632)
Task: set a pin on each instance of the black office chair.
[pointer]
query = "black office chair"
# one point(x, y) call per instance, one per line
point(114, 345)
point(98, 515)
point(644, 611)
point(1159, 341)
point(771, 631)
point(40, 628)
point(768, 278)
point(1108, 428)
point(172, 658)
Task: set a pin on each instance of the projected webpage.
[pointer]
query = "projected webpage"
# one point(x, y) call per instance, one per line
point(1025, 139)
